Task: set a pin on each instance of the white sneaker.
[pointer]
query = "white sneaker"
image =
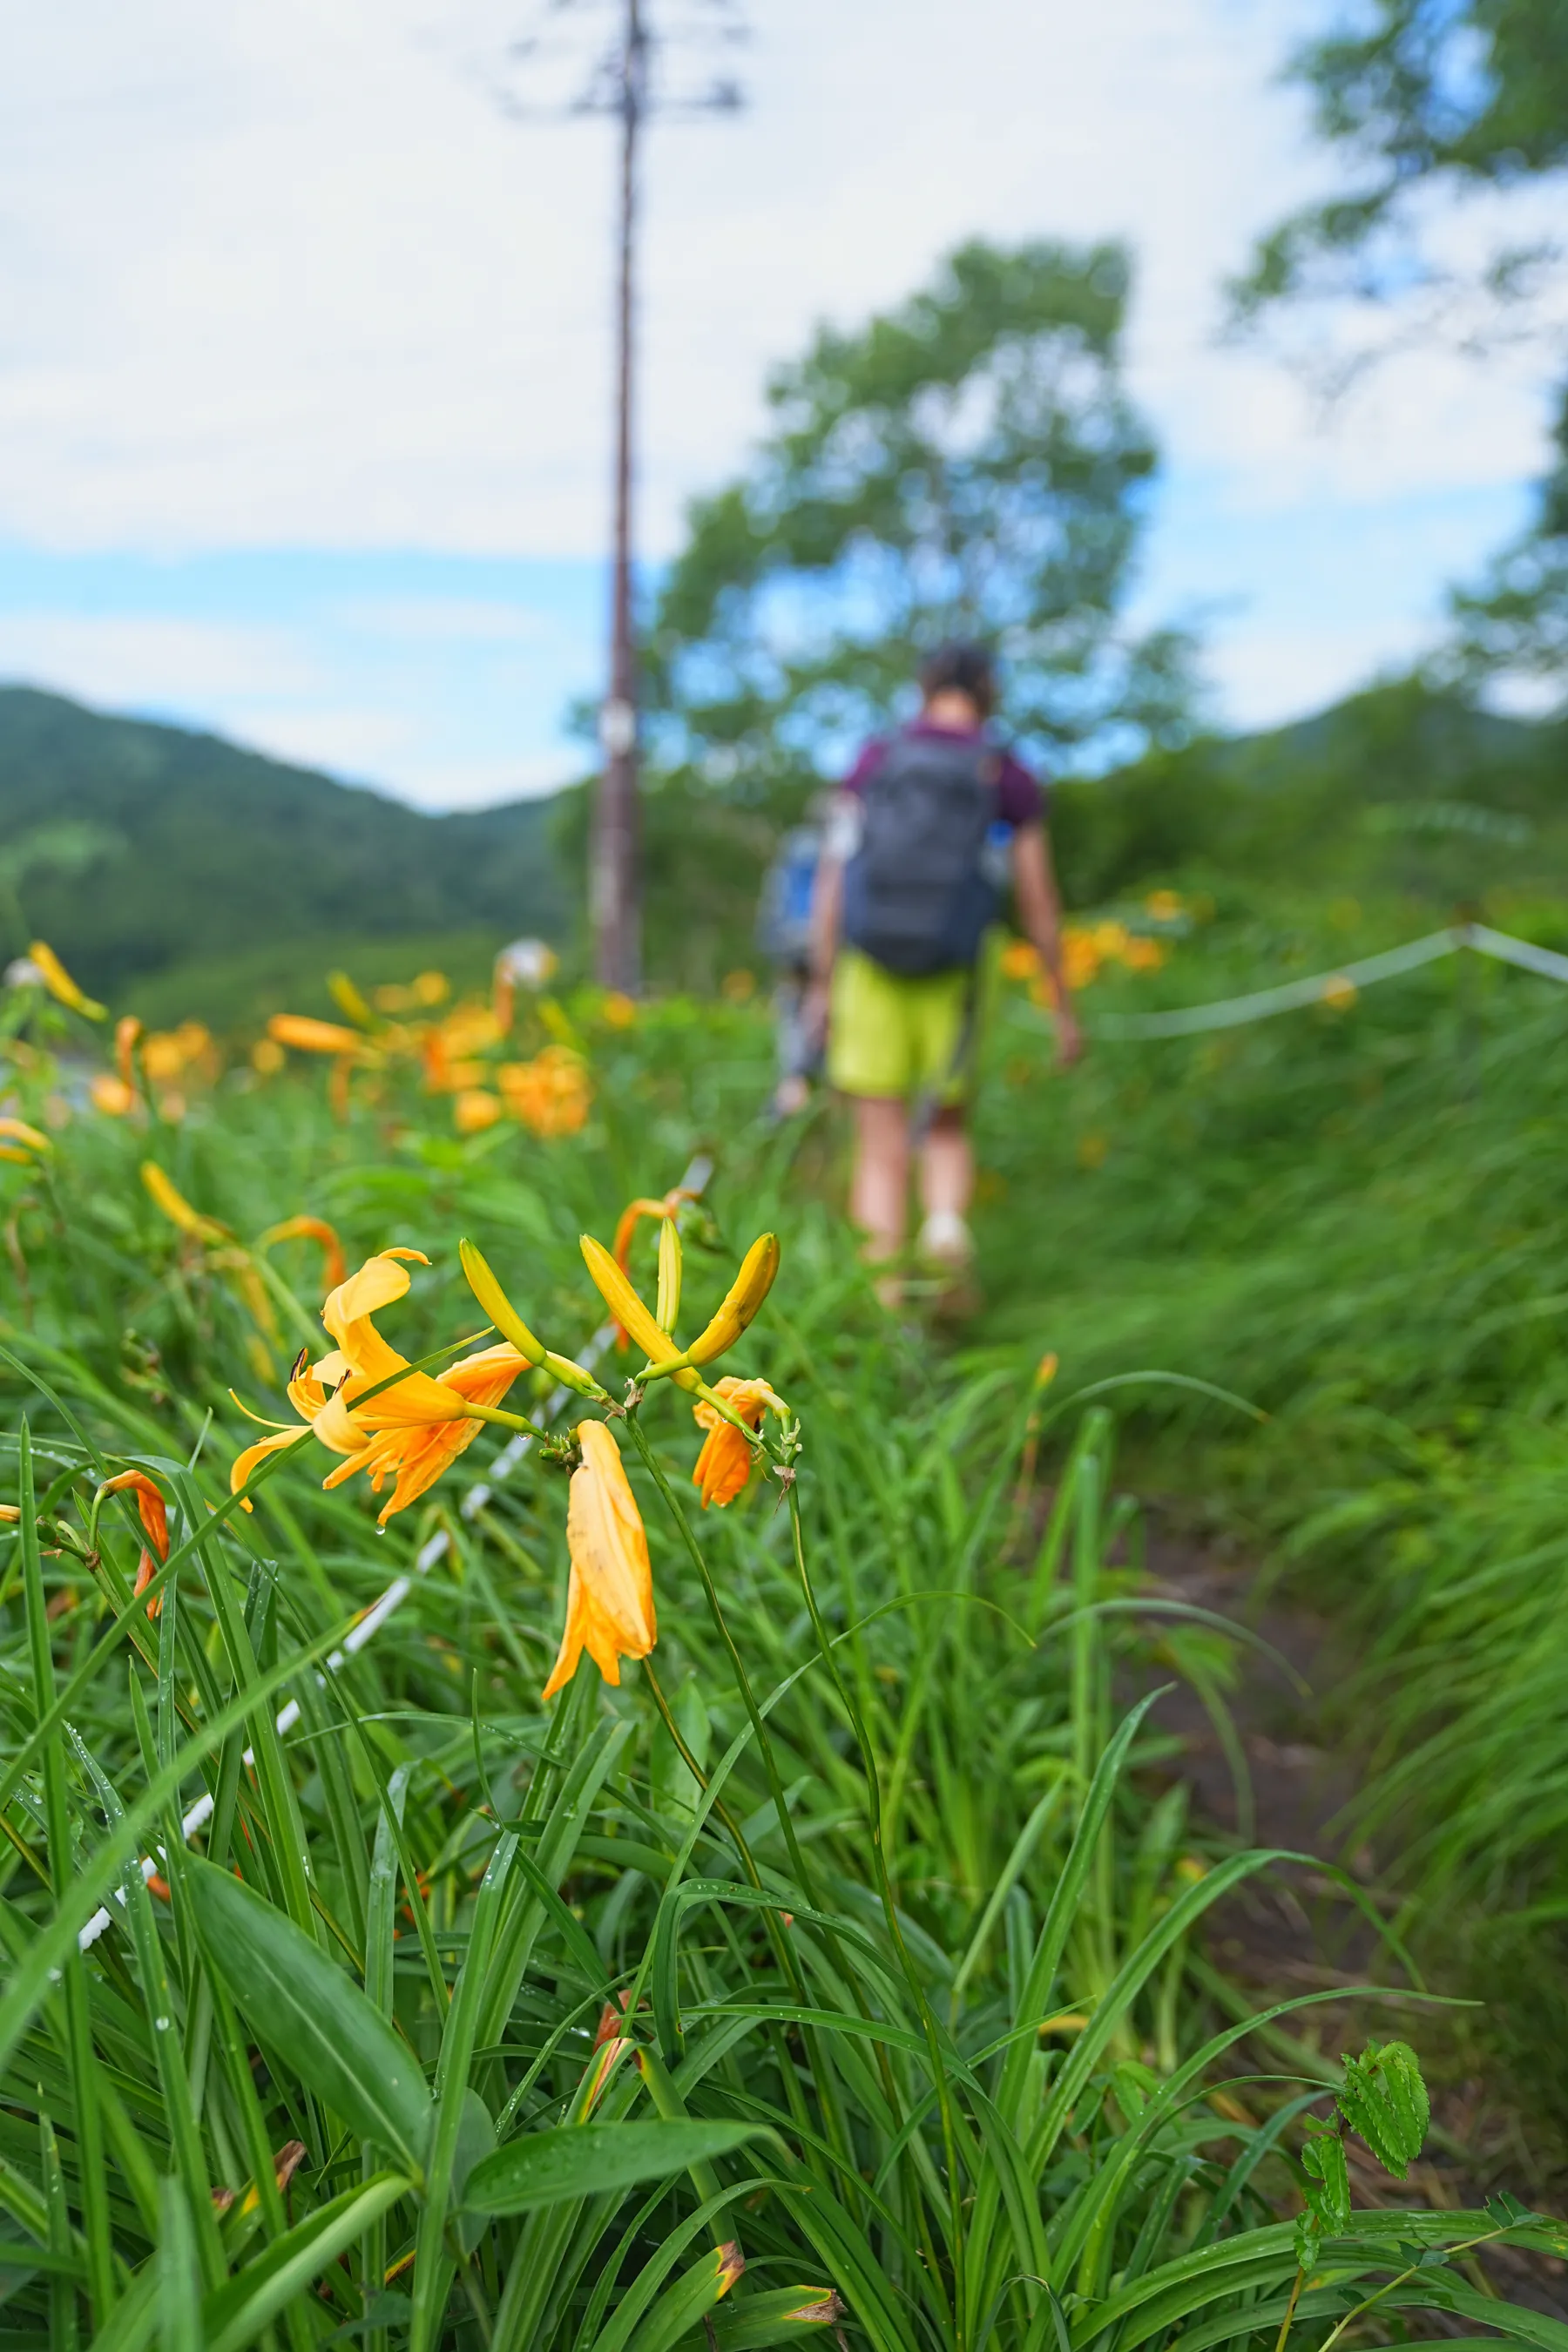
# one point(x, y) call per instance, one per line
point(945, 1240)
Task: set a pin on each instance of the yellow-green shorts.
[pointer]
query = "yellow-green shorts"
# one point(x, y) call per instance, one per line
point(889, 1035)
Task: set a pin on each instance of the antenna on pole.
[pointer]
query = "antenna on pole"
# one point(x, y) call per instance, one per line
point(630, 79)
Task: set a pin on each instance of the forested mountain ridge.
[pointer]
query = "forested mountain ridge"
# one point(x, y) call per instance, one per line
point(133, 847)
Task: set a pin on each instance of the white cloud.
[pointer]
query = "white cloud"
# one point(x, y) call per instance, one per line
point(288, 276)
point(146, 660)
point(278, 276)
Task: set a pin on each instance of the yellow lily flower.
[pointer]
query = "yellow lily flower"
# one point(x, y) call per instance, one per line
point(725, 1464)
point(609, 1593)
point(61, 985)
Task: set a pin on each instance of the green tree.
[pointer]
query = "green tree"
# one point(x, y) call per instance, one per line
point(1419, 97)
point(1424, 98)
point(967, 463)
point(1515, 619)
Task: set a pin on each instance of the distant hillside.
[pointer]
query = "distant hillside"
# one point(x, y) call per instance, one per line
point(135, 848)
point(1396, 790)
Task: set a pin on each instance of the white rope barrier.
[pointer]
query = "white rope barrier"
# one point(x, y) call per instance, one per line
point(1324, 987)
point(694, 1184)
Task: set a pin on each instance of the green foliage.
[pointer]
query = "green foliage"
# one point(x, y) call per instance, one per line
point(1515, 619)
point(1385, 2099)
point(736, 1990)
point(1401, 790)
point(1426, 92)
point(1423, 96)
point(164, 848)
point(967, 463)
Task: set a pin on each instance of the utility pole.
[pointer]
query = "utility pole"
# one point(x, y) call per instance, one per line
point(613, 897)
point(621, 84)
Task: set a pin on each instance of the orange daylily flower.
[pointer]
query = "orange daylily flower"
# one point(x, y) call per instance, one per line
point(110, 1094)
point(154, 1518)
point(551, 1095)
point(725, 1464)
point(609, 1594)
point(412, 1430)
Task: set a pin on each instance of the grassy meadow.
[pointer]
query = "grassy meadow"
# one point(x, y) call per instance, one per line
point(840, 1967)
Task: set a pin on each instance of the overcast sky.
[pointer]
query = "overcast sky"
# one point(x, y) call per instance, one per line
point(304, 365)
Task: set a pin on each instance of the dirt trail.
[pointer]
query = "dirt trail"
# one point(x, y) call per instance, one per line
point(1294, 1929)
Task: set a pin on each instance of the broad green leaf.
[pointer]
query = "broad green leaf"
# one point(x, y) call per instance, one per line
point(311, 2015)
point(1385, 2100)
point(591, 2159)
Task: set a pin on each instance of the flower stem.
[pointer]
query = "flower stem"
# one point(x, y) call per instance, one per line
point(697, 1774)
point(504, 1420)
point(1290, 2311)
point(737, 1663)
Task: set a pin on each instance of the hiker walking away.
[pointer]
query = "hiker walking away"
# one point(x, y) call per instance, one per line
point(929, 824)
point(784, 935)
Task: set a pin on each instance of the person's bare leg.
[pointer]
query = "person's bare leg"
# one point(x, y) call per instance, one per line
point(880, 1188)
point(947, 1187)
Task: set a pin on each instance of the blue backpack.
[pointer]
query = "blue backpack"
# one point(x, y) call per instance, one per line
point(784, 918)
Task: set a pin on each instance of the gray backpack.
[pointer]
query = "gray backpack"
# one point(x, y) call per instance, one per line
point(918, 891)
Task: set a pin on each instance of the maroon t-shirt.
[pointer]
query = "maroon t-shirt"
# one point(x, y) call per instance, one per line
point(1020, 796)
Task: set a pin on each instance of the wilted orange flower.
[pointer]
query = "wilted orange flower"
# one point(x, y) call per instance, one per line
point(725, 1464)
point(154, 1518)
point(610, 1592)
point(1166, 906)
point(1144, 954)
point(412, 1430)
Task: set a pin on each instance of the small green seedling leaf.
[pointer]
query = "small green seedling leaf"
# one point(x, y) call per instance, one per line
point(1385, 2100)
point(1328, 2182)
point(313, 2017)
point(588, 2159)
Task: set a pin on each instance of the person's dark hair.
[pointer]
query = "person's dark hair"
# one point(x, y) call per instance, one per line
point(961, 665)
